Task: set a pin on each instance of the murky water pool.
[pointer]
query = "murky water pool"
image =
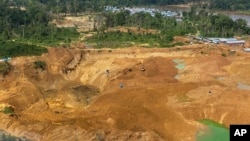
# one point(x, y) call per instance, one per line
point(213, 132)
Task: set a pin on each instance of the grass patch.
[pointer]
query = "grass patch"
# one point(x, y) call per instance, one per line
point(14, 49)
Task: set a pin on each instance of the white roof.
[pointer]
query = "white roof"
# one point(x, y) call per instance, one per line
point(236, 42)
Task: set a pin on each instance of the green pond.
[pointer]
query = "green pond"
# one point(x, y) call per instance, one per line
point(179, 64)
point(213, 132)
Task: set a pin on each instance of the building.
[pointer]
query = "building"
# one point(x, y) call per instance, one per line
point(236, 42)
point(229, 41)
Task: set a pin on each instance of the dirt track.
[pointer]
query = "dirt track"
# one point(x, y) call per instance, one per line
point(88, 103)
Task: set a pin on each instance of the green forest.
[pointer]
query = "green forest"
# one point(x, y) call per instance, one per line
point(26, 24)
point(23, 31)
point(231, 5)
point(197, 22)
point(215, 25)
point(168, 27)
point(32, 25)
point(76, 6)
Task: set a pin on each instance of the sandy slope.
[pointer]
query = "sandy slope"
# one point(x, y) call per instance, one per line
point(88, 104)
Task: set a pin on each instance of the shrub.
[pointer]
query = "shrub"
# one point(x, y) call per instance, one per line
point(224, 55)
point(40, 65)
point(8, 110)
point(5, 68)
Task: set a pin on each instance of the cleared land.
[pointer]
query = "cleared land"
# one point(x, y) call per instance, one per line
point(75, 98)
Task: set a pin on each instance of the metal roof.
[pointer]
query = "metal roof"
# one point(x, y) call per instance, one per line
point(235, 42)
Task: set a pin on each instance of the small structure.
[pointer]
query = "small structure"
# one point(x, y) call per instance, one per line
point(229, 41)
point(236, 42)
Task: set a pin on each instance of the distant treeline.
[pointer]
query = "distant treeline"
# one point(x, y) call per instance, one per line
point(24, 29)
point(215, 25)
point(167, 28)
point(230, 4)
point(198, 22)
point(74, 6)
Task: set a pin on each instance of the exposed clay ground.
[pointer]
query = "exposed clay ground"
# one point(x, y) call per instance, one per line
point(88, 104)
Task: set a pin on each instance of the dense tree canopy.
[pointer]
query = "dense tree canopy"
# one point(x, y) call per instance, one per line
point(230, 4)
point(31, 23)
point(75, 6)
point(23, 29)
point(216, 25)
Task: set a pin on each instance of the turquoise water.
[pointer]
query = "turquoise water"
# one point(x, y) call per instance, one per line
point(7, 137)
point(213, 132)
point(242, 86)
point(180, 64)
point(178, 61)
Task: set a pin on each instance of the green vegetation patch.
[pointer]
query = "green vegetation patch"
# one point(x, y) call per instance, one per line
point(5, 68)
point(8, 110)
point(33, 26)
point(59, 37)
point(119, 39)
point(40, 65)
point(14, 49)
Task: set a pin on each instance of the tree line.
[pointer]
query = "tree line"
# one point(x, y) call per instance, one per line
point(167, 28)
point(197, 22)
point(215, 25)
point(24, 30)
point(75, 6)
point(232, 5)
point(31, 24)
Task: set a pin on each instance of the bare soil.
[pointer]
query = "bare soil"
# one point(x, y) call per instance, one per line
point(75, 98)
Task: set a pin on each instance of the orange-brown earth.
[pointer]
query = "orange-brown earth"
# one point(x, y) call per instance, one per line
point(75, 98)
